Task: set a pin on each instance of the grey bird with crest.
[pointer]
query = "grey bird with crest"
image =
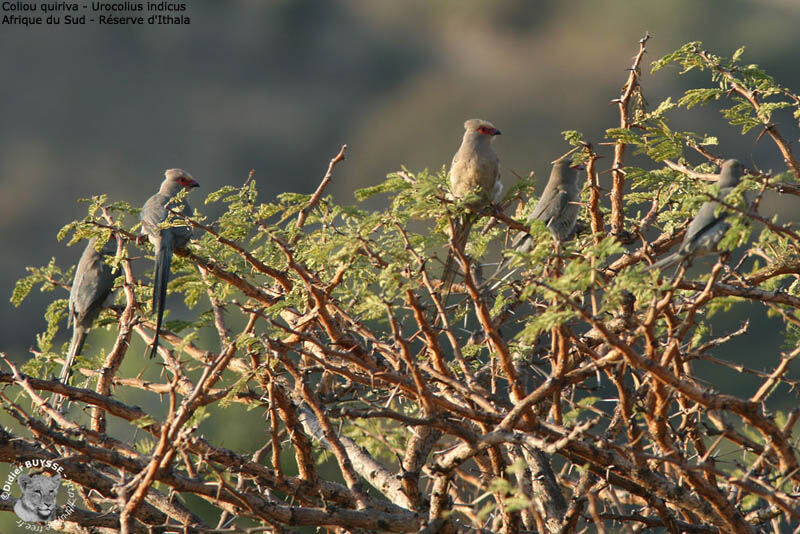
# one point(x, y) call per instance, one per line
point(475, 169)
point(91, 288)
point(708, 226)
point(558, 208)
point(165, 240)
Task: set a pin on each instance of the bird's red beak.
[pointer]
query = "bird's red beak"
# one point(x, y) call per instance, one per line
point(191, 184)
point(495, 131)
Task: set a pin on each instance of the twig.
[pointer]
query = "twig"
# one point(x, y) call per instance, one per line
point(623, 102)
point(751, 96)
point(595, 215)
point(314, 200)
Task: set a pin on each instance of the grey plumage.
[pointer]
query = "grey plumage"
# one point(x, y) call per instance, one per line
point(155, 211)
point(91, 287)
point(708, 226)
point(558, 208)
point(475, 169)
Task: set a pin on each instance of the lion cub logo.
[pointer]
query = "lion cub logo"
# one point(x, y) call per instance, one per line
point(38, 502)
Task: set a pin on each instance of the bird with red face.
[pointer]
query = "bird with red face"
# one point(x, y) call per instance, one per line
point(475, 169)
point(156, 211)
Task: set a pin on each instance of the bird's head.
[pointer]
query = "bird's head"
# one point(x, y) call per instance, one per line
point(564, 171)
point(480, 130)
point(181, 178)
point(730, 173)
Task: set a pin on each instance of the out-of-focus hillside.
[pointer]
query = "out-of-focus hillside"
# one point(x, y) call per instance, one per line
point(278, 86)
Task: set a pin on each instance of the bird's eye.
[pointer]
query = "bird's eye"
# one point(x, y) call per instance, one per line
point(483, 129)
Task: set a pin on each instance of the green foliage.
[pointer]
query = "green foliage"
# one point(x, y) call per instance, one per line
point(695, 97)
point(359, 266)
point(145, 446)
point(144, 421)
point(200, 414)
point(55, 311)
point(740, 83)
point(48, 277)
point(543, 322)
point(393, 184)
point(582, 408)
point(236, 389)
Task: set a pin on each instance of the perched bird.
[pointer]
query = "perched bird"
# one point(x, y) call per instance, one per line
point(708, 226)
point(91, 287)
point(155, 211)
point(558, 208)
point(475, 169)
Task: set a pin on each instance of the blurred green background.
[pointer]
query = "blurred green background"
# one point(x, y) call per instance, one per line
point(278, 86)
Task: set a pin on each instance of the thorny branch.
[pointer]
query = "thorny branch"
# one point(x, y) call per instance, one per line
point(752, 97)
point(559, 401)
point(631, 90)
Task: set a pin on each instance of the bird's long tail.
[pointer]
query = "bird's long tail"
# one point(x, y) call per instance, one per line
point(665, 263)
point(522, 244)
point(461, 231)
point(79, 334)
point(160, 279)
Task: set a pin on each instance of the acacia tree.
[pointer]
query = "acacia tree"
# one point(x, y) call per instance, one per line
point(561, 396)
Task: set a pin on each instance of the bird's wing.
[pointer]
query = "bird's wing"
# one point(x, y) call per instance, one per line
point(564, 223)
point(550, 206)
point(498, 190)
point(154, 213)
point(182, 234)
point(704, 221)
point(74, 292)
point(518, 239)
point(95, 286)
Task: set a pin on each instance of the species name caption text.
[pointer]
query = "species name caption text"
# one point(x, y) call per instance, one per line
point(21, 13)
